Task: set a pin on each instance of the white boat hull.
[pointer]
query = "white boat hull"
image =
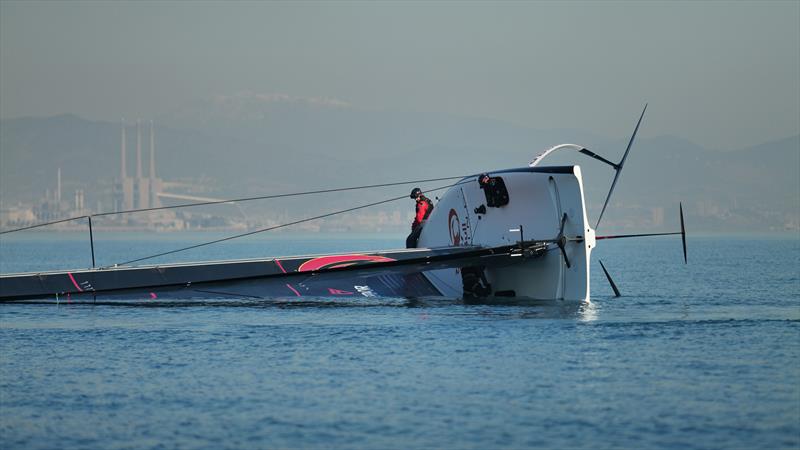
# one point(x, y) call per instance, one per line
point(538, 199)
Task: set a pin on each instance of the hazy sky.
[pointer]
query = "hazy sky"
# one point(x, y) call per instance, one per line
point(721, 74)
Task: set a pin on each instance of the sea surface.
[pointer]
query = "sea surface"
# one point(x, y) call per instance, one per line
point(704, 355)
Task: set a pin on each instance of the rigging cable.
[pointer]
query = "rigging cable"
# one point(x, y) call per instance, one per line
point(308, 219)
point(246, 199)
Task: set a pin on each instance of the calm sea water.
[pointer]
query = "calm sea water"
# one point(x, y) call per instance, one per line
point(699, 356)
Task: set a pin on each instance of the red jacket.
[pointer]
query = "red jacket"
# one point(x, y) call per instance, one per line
point(422, 211)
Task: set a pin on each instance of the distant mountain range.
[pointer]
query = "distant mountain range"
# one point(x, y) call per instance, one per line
point(248, 145)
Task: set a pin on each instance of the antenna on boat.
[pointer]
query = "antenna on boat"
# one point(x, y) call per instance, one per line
point(618, 167)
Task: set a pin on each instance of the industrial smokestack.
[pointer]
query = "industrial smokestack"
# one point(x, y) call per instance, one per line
point(152, 152)
point(79, 199)
point(138, 150)
point(58, 187)
point(123, 172)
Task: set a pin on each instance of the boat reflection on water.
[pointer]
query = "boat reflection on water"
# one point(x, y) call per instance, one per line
point(520, 308)
point(511, 308)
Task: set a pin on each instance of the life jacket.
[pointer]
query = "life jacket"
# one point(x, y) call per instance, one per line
point(429, 209)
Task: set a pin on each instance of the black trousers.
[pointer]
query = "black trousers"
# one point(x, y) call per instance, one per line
point(411, 240)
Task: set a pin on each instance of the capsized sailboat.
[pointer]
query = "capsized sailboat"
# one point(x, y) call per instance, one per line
point(520, 232)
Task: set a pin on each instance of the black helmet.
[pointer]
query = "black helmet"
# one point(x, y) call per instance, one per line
point(416, 192)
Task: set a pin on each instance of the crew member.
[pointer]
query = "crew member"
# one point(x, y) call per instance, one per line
point(495, 190)
point(423, 211)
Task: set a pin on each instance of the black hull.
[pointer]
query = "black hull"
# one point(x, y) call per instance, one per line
point(381, 274)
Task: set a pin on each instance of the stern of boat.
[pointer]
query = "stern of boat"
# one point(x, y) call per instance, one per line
point(544, 214)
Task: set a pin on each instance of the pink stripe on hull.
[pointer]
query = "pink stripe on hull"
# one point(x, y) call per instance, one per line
point(293, 290)
point(287, 284)
point(74, 283)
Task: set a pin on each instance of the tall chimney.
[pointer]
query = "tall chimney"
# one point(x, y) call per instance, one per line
point(58, 187)
point(123, 172)
point(138, 150)
point(152, 152)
